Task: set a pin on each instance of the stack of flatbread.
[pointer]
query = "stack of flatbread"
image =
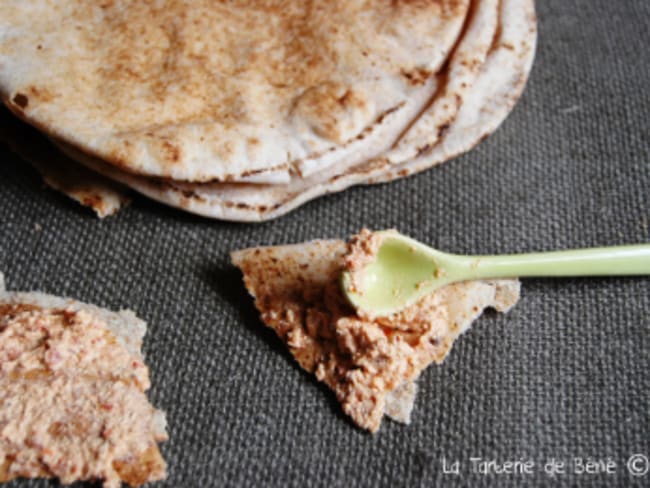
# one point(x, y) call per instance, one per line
point(244, 110)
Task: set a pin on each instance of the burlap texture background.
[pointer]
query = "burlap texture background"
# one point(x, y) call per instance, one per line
point(564, 375)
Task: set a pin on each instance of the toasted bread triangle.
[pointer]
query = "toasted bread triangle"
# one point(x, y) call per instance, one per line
point(369, 364)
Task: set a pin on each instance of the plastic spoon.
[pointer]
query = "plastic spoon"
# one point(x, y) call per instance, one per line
point(405, 270)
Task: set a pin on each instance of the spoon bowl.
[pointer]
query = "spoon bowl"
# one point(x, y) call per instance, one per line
point(404, 270)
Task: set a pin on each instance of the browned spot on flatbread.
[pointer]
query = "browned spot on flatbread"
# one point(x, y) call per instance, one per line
point(41, 94)
point(422, 150)
point(93, 201)
point(443, 129)
point(21, 100)
point(328, 107)
point(171, 152)
point(416, 76)
point(447, 7)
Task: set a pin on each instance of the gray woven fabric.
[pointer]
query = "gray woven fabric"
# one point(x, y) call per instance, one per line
point(564, 375)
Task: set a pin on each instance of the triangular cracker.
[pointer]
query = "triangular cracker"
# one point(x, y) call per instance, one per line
point(370, 365)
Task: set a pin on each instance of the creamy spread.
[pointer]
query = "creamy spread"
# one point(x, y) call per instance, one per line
point(362, 251)
point(363, 360)
point(73, 404)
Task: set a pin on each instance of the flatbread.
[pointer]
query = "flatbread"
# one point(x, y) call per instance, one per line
point(104, 196)
point(369, 364)
point(228, 91)
point(73, 403)
point(497, 87)
point(476, 90)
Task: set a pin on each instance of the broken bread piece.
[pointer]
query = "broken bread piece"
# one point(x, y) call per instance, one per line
point(73, 403)
point(90, 189)
point(370, 364)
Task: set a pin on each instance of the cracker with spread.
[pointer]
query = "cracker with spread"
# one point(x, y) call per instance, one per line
point(72, 394)
point(370, 364)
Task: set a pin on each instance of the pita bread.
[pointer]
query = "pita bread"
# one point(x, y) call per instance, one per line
point(497, 87)
point(369, 364)
point(60, 173)
point(476, 90)
point(202, 90)
point(95, 353)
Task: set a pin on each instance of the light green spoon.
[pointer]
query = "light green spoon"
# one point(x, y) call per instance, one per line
point(405, 270)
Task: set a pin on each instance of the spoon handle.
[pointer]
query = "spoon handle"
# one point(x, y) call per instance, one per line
point(599, 261)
